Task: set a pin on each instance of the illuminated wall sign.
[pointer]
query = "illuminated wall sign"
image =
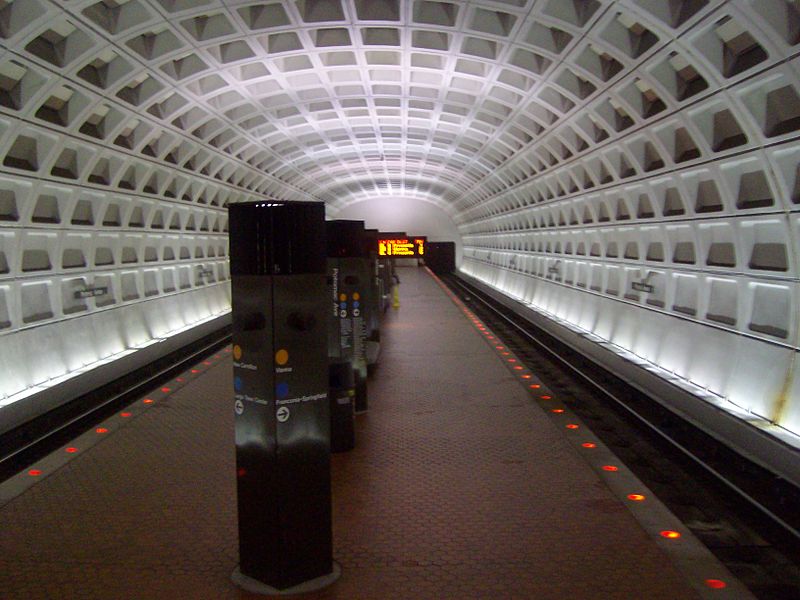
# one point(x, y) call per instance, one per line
point(91, 292)
point(407, 247)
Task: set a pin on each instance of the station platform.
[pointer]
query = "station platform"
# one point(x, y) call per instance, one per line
point(463, 485)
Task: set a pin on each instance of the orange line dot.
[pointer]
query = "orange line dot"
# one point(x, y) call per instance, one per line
point(672, 535)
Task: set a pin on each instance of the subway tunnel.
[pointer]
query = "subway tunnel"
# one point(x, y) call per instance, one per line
point(627, 169)
point(625, 174)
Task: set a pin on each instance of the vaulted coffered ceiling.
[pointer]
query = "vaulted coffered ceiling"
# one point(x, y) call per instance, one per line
point(343, 99)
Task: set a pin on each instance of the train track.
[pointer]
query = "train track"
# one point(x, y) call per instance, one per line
point(747, 516)
point(28, 443)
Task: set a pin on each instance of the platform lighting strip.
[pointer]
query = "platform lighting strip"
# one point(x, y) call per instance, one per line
point(60, 378)
point(706, 574)
point(40, 470)
point(722, 402)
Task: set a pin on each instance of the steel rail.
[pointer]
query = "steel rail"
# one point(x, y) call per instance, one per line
point(477, 294)
point(138, 387)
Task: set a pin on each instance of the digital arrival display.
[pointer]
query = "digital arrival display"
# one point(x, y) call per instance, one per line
point(407, 247)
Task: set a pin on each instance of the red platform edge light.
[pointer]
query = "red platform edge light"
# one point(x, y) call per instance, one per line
point(101, 430)
point(34, 472)
point(546, 397)
point(71, 450)
point(148, 400)
point(572, 426)
point(557, 410)
point(589, 445)
point(125, 414)
point(534, 386)
point(611, 468)
point(636, 497)
point(166, 390)
point(716, 584)
point(671, 535)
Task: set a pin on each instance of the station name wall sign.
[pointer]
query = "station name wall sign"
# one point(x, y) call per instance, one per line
point(90, 292)
point(407, 247)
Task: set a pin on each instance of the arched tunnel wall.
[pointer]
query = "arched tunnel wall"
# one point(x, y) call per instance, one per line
point(629, 167)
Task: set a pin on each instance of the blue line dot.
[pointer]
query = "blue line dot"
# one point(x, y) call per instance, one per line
point(282, 390)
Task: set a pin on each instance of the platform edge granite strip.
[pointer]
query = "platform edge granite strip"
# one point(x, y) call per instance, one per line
point(704, 572)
